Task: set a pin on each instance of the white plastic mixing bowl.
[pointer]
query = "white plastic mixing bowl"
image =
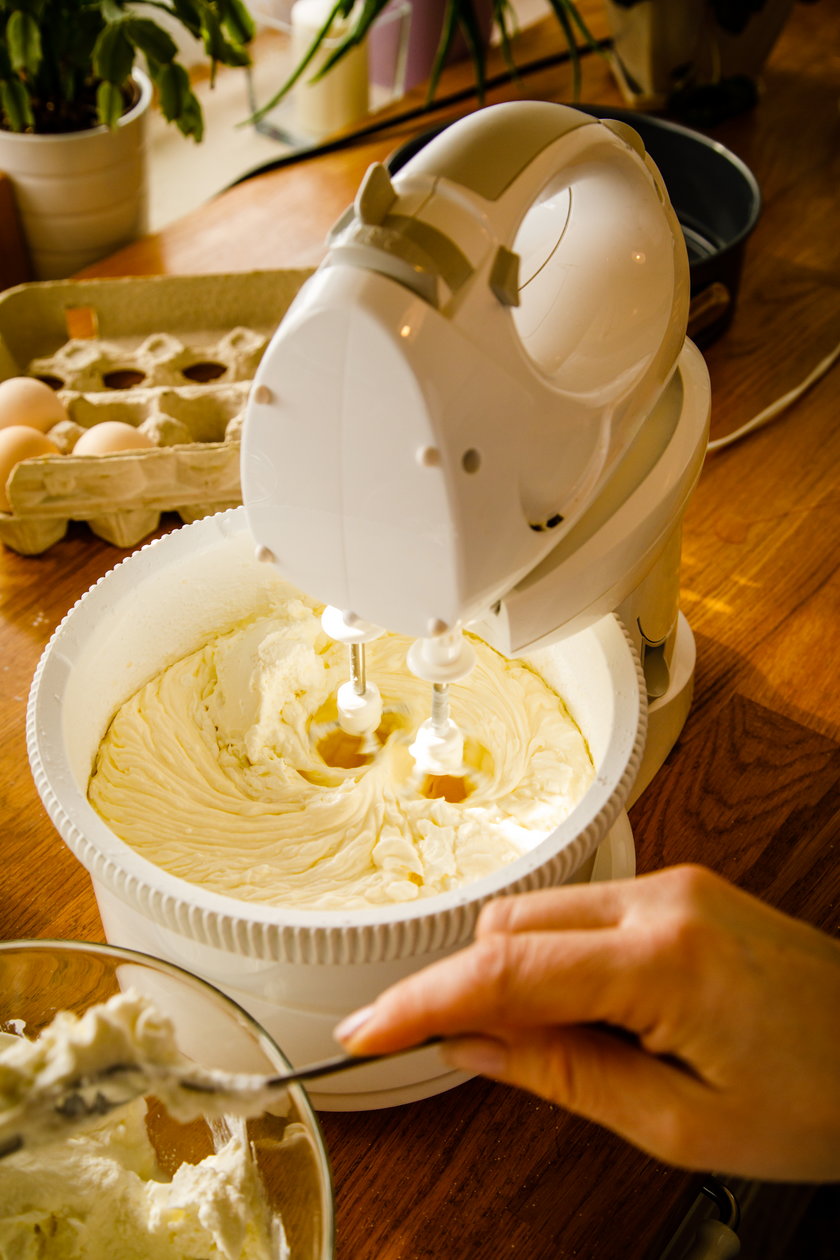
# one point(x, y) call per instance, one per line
point(297, 971)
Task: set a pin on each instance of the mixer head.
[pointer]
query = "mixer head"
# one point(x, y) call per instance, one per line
point(453, 385)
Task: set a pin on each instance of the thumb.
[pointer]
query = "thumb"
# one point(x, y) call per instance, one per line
point(595, 1074)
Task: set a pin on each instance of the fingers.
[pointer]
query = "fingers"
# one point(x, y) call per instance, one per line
point(550, 909)
point(624, 953)
point(651, 1103)
point(524, 979)
point(605, 904)
point(717, 987)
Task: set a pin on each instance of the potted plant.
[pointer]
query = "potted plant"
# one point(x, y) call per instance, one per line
point(698, 59)
point(467, 22)
point(72, 112)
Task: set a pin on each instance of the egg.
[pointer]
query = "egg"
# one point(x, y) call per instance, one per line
point(110, 436)
point(18, 442)
point(27, 401)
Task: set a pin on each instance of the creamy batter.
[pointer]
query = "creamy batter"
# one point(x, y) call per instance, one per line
point(228, 769)
point(125, 1030)
point(128, 1041)
point(100, 1193)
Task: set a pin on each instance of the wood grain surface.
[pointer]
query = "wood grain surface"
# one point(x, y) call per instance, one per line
point(751, 789)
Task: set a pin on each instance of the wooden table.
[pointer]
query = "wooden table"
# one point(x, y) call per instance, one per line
point(751, 789)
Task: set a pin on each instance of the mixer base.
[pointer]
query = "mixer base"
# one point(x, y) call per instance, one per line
point(668, 713)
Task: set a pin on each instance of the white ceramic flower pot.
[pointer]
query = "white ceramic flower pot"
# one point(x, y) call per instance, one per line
point(83, 194)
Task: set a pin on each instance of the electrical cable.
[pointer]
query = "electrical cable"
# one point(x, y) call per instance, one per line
point(781, 404)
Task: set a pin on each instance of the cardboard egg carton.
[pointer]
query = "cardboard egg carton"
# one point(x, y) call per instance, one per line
point(173, 356)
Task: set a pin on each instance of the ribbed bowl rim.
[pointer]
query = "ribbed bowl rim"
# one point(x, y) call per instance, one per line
point(284, 934)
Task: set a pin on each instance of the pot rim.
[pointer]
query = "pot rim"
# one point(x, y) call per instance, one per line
point(131, 115)
point(279, 933)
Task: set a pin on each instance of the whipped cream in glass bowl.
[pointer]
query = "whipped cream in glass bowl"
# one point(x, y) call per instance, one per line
point(138, 1182)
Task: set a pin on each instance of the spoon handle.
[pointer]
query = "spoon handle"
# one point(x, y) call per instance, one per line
point(341, 1062)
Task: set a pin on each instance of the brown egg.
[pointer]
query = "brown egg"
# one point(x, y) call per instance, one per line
point(18, 442)
point(27, 401)
point(110, 436)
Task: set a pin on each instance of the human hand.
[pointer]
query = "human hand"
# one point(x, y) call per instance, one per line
point(675, 1009)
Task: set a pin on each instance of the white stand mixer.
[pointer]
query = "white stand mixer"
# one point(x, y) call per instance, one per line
point(482, 411)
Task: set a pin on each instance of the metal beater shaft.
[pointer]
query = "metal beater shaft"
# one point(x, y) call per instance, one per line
point(440, 706)
point(358, 677)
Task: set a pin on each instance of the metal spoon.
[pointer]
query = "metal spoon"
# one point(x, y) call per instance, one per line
point(187, 1091)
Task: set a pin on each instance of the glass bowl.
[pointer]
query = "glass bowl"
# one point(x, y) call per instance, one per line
point(39, 978)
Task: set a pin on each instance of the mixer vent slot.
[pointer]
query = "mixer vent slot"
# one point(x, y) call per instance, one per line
point(551, 523)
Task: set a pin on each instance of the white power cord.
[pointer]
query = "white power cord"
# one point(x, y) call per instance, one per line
point(775, 408)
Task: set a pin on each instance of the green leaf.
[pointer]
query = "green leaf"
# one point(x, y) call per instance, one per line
point(368, 14)
point(218, 48)
point(505, 19)
point(151, 39)
point(561, 13)
point(178, 103)
point(173, 85)
point(450, 20)
point(113, 54)
point(187, 13)
point(15, 102)
point(191, 121)
point(24, 42)
point(575, 16)
point(471, 30)
point(237, 21)
point(211, 33)
point(72, 42)
point(110, 103)
point(232, 55)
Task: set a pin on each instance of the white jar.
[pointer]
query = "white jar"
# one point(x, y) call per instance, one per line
point(341, 97)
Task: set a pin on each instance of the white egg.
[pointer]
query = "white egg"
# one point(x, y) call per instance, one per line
point(110, 436)
point(19, 442)
point(27, 401)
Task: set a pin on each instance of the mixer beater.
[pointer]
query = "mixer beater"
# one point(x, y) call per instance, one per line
point(358, 701)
